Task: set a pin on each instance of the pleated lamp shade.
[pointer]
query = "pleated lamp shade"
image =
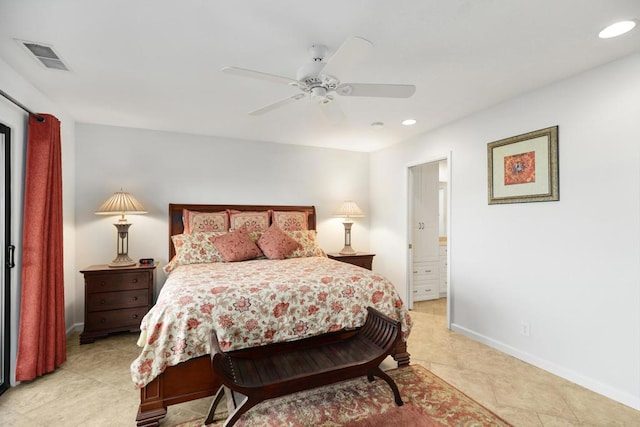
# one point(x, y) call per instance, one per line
point(121, 203)
point(349, 209)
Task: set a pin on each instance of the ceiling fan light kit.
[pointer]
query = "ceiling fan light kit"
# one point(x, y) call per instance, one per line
point(317, 79)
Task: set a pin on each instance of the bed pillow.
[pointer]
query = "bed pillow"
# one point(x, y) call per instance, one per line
point(253, 221)
point(277, 244)
point(237, 246)
point(196, 248)
point(308, 244)
point(196, 222)
point(291, 220)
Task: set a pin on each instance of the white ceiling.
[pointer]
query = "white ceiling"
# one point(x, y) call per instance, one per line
point(155, 64)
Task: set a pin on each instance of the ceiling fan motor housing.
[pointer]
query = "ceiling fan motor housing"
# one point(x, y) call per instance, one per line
point(319, 94)
point(309, 70)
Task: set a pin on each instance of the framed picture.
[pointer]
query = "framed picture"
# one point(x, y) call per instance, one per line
point(524, 168)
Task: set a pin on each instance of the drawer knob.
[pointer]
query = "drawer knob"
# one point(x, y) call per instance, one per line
point(427, 271)
point(134, 299)
point(415, 292)
point(135, 280)
point(135, 316)
point(102, 283)
point(102, 301)
point(103, 320)
point(415, 271)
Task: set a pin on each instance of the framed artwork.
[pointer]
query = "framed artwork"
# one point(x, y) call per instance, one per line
point(524, 168)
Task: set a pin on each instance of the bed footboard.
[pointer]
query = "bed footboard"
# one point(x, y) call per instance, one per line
point(187, 381)
point(401, 355)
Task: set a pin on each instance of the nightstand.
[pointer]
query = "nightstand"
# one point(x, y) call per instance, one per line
point(115, 299)
point(360, 259)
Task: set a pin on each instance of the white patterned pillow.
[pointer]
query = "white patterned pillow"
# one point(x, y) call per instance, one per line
point(195, 248)
point(308, 243)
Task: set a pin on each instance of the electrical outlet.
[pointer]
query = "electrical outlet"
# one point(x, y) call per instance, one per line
point(525, 329)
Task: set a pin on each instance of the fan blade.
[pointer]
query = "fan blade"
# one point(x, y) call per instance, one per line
point(277, 104)
point(332, 112)
point(259, 75)
point(379, 90)
point(349, 53)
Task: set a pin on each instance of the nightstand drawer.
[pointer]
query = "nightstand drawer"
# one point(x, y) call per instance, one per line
point(116, 300)
point(117, 282)
point(115, 319)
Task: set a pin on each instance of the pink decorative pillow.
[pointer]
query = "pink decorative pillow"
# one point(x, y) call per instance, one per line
point(196, 222)
point(276, 244)
point(196, 248)
point(291, 221)
point(253, 221)
point(237, 246)
point(308, 244)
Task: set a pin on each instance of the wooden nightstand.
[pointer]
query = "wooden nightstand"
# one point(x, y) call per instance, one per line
point(360, 259)
point(115, 299)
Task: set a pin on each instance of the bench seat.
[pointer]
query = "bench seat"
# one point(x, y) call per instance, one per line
point(275, 370)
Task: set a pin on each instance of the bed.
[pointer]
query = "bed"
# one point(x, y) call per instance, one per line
point(249, 303)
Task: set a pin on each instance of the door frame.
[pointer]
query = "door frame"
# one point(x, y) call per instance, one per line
point(409, 231)
point(7, 261)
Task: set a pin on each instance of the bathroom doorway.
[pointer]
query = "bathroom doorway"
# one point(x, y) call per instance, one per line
point(428, 233)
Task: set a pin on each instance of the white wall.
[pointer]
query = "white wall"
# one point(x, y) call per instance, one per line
point(159, 168)
point(12, 116)
point(571, 269)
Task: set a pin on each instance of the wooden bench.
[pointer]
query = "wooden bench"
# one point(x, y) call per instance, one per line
point(275, 370)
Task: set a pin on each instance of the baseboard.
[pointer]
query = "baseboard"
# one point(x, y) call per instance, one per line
point(76, 327)
point(568, 374)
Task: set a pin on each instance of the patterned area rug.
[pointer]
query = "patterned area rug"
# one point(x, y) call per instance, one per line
point(428, 401)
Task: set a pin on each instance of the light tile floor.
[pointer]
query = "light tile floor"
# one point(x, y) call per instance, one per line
point(93, 388)
point(520, 393)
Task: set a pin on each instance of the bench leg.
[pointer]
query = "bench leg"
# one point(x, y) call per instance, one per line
point(380, 373)
point(247, 404)
point(214, 406)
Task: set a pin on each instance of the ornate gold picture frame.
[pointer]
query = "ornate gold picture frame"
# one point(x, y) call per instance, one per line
point(524, 168)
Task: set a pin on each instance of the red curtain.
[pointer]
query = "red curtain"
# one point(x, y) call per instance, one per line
point(42, 341)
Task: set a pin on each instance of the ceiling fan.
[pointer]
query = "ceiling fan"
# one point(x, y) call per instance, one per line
point(318, 79)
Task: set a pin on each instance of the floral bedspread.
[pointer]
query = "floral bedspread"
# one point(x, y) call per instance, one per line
point(257, 302)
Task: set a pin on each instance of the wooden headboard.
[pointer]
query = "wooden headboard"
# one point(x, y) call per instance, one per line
point(175, 215)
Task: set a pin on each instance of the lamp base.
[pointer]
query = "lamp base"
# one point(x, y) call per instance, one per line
point(347, 250)
point(122, 260)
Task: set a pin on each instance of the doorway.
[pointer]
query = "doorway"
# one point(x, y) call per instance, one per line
point(6, 255)
point(428, 233)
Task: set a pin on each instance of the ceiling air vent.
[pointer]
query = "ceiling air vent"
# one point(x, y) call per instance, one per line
point(45, 55)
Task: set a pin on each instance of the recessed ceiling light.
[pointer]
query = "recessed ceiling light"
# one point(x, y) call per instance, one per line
point(409, 122)
point(617, 29)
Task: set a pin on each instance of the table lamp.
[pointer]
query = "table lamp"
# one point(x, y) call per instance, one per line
point(348, 210)
point(121, 203)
